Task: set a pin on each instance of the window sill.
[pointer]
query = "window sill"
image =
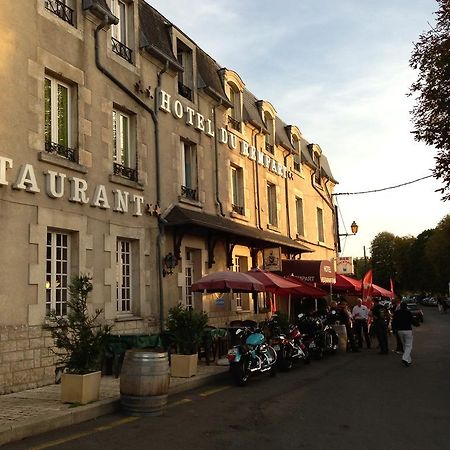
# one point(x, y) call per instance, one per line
point(61, 162)
point(273, 228)
point(128, 318)
point(236, 215)
point(190, 202)
point(126, 182)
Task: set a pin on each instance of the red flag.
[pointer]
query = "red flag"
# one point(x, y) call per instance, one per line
point(367, 286)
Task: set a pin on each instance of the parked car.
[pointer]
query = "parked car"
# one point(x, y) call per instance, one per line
point(416, 311)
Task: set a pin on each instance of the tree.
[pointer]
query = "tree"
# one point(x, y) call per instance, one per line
point(431, 113)
point(437, 251)
point(382, 250)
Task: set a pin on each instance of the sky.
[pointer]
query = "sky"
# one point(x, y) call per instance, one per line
point(339, 70)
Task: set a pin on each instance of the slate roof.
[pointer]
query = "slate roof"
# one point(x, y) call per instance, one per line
point(155, 38)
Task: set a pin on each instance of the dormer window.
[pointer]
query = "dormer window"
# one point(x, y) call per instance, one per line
point(120, 37)
point(234, 118)
point(270, 124)
point(186, 77)
point(297, 158)
point(316, 160)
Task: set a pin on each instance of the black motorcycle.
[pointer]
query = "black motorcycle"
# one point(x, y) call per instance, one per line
point(287, 343)
point(318, 334)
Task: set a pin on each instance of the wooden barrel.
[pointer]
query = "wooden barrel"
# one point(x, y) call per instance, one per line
point(144, 382)
point(341, 331)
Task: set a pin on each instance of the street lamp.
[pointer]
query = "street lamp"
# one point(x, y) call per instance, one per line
point(353, 227)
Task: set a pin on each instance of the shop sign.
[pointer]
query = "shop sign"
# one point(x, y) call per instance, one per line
point(272, 259)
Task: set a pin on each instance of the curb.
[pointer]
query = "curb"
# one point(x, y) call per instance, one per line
point(31, 427)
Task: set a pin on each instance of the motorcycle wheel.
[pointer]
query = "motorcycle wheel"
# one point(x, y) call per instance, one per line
point(284, 360)
point(318, 354)
point(240, 372)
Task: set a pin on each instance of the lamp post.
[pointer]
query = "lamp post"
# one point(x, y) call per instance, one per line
point(353, 227)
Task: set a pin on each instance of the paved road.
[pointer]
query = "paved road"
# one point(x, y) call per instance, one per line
point(353, 401)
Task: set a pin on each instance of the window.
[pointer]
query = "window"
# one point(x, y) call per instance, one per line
point(269, 137)
point(316, 160)
point(189, 167)
point(123, 276)
point(237, 268)
point(234, 119)
point(122, 155)
point(185, 78)
point(58, 123)
point(320, 234)
point(57, 272)
point(119, 32)
point(188, 280)
point(272, 204)
point(297, 163)
point(299, 211)
point(64, 9)
point(237, 186)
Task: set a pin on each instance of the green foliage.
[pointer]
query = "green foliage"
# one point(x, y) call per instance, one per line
point(187, 326)
point(431, 113)
point(417, 264)
point(79, 338)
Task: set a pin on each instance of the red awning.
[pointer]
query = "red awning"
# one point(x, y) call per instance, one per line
point(306, 290)
point(345, 284)
point(274, 283)
point(319, 271)
point(227, 281)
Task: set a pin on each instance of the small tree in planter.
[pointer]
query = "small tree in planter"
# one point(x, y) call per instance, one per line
point(80, 341)
point(187, 327)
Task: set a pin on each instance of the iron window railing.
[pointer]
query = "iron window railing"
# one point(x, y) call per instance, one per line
point(122, 50)
point(61, 150)
point(269, 148)
point(238, 209)
point(184, 91)
point(126, 172)
point(189, 193)
point(233, 123)
point(61, 10)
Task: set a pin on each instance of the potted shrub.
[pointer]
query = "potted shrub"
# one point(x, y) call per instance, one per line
point(187, 327)
point(80, 341)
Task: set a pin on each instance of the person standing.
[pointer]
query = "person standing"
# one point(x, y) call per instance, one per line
point(380, 317)
point(398, 343)
point(345, 318)
point(360, 315)
point(402, 323)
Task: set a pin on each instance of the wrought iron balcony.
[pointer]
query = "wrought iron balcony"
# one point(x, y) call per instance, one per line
point(238, 209)
point(184, 91)
point(189, 193)
point(233, 123)
point(126, 172)
point(61, 10)
point(122, 50)
point(61, 150)
point(269, 148)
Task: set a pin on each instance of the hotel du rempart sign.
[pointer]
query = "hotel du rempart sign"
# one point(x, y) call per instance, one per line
point(124, 201)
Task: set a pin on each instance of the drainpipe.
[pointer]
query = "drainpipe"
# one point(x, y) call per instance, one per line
point(216, 161)
point(286, 193)
point(161, 221)
point(258, 216)
point(108, 20)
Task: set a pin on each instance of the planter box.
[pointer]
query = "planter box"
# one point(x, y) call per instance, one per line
point(80, 388)
point(184, 366)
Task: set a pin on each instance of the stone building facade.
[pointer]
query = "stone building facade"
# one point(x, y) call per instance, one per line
point(128, 153)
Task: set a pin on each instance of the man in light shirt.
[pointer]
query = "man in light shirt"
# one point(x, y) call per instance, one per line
point(360, 315)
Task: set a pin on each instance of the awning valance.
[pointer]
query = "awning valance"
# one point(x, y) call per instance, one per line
point(314, 271)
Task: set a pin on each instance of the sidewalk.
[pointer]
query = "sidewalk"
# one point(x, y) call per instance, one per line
point(36, 411)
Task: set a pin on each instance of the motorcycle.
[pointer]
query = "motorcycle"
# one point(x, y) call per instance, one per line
point(318, 334)
point(289, 346)
point(253, 355)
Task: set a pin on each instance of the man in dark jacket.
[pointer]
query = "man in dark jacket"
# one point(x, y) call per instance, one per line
point(380, 322)
point(402, 323)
